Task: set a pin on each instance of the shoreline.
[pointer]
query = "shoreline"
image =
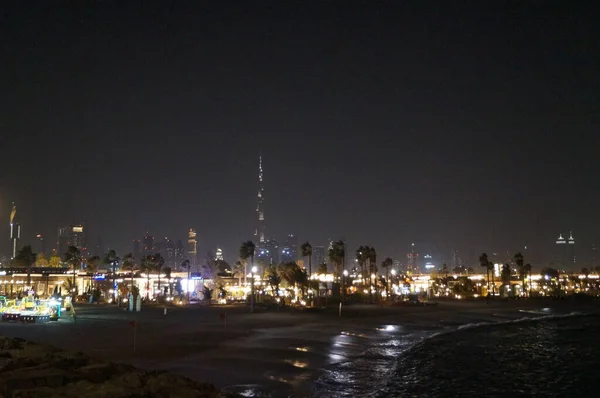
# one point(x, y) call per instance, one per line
point(281, 353)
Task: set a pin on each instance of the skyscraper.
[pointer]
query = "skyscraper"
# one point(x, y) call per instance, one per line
point(137, 251)
point(73, 235)
point(289, 250)
point(412, 260)
point(192, 251)
point(179, 254)
point(148, 248)
point(219, 255)
point(40, 244)
point(571, 260)
point(15, 232)
point(63, 241)
point(259, 233)
point(318, 256)
point(170, 254)
point(560, 256)
point(77, 238)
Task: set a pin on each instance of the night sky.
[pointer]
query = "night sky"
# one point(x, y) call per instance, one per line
point(453, 124)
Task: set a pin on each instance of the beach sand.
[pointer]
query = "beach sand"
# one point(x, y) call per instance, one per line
point(265, 353)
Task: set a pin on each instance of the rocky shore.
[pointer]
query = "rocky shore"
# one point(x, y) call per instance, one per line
point(31, 370)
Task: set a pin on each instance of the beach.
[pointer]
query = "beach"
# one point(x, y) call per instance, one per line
point(285, 353)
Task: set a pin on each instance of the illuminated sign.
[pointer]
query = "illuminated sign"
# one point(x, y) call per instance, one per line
point(78, 229)
point(99, 277)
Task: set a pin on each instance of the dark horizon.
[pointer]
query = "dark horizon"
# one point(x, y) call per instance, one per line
point(471, 127)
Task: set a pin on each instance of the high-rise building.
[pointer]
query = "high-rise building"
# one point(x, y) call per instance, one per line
point(148, 247)
point(179, 254)
point(268, 252)
point(63, 241)
point(170, 254)
point(428, 265)
point(456, 262)
point(77, 238)
point(192, 250)
point(318, 256)
point(289, 250)
point(259, 232)
point(219, 255)
point(137, 250)
point(73, 235)
point(594, 256)
point(15, 232)
point(571, 260)
point(99, 248)
point(40, 244)
point(412, 259)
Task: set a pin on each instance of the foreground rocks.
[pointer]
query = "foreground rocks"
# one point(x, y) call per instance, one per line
point(30, 370)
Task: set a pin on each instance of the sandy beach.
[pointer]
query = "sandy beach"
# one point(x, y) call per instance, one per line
point(275, 354)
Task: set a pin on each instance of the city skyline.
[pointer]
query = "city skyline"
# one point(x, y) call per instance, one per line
point(477, 136)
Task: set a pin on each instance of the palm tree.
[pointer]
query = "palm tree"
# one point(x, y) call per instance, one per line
point(521, 269)
point(528, 272)
point(386, 264)
point(147, 266)
point(73, 258)
point(187, 266)
point(91, 265)
point(336, 255)
point(168, 271)
point(130, 265)
point(484, 262)
point(247, 252)
point(506, 272)
point(361, 258)
point(159, 263)
point(26, 258)
point(306, 249)
point(372, 260)
point(273, 277)
point(111, 260)
point(238, 271)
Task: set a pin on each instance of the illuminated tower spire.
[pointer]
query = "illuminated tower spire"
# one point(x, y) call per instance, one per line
point(259, 233)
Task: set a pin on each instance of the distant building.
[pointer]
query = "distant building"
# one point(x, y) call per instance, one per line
point(179, 254)
point(40, 244)
point(219, 255)
point(428, 265)
point(289, 250)
point(15, 232)
point(63, 241)
point(564, 256)
point(170, 260)
point(73, 235)
point(268, 252)
point(192, 249)
point(318, 256)
point(148, 245)
point(594, 256)
point(99, 248)
point(260, 231)
point(571, 260)
point(412, 260)
point(137, 250)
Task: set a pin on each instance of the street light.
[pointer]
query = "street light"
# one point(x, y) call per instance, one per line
point(253, 270)
point(391, 281)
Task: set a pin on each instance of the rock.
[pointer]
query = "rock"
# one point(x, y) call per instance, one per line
point(100, 372)
point(11, 344)
point(29, 370)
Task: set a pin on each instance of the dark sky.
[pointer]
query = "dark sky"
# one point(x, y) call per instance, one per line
point(448, 123)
